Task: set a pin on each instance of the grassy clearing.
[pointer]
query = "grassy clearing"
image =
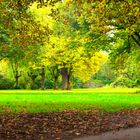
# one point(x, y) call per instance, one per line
point(106, 99)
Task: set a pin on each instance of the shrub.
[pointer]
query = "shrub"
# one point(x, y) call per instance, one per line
point(6, 83)
point(76, 82)
point(125, 82)
point(48, 84)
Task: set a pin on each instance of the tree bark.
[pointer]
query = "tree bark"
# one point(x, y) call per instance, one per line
point(69, 77)
point(16, 79)
point(68, 82)
point(43, 78)
point(16, 74)
point(64, 74)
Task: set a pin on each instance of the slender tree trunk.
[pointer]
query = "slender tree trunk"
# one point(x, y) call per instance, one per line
point(43, 78)
point(33, 77)
point(55, 82)
point(55, 74)
point(64, 74)
point(16, 74)
point(33, 80)
point(68, 78)
point(16, 79)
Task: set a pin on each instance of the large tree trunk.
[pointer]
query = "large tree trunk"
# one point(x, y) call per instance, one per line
point(68, 82)
point(43, 78)
point(64, 74)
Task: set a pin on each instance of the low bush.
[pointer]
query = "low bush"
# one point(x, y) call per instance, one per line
point(6, 83)
point(125, 82)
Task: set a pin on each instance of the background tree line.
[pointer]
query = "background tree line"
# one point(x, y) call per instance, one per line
point(60, 42)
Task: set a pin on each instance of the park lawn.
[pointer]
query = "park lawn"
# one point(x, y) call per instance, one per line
point(35, 101)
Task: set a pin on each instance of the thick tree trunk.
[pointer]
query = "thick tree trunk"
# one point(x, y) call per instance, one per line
point(43, 78)
point(64, 74)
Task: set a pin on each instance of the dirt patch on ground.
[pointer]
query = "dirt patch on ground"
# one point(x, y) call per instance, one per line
point(65, 125)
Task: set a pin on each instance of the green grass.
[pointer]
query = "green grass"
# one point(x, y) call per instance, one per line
point(106, 99)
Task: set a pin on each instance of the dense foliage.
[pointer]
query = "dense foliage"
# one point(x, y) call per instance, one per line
point(65, 43)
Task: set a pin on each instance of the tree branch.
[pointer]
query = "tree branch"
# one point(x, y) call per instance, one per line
point(135, 40)
point(137, 34)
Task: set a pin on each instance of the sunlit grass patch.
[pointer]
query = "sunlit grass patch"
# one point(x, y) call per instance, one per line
point(79, 99)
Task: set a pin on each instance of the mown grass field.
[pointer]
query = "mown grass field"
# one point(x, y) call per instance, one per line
point(106, 99)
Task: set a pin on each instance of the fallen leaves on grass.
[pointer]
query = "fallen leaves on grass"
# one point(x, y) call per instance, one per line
point(64, 125)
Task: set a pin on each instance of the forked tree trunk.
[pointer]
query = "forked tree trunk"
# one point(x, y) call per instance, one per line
point(33, 78)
